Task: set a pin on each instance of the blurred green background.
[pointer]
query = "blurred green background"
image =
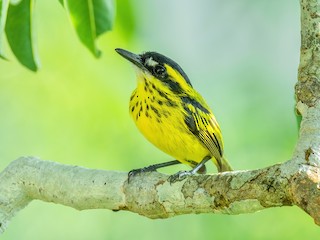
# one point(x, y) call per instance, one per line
point(241, 55)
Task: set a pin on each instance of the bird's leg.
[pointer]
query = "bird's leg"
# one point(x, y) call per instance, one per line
point(151, 168)
point(179, 176)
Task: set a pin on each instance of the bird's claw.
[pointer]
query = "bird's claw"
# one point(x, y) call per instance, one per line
point(179, 176)
point(134, 172)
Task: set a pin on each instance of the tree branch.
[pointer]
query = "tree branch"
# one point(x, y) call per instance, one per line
point(148, 194)
point(308, 86)
point(295, 182)
point(306, 192)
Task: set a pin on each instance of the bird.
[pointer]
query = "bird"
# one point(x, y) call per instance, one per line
point(173, 116)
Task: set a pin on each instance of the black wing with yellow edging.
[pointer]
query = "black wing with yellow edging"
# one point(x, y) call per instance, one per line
point(203, 125)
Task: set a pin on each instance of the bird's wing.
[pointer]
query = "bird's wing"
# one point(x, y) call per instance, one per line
point(203, 125)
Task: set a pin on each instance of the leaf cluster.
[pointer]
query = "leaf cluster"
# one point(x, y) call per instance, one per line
point(90, 19)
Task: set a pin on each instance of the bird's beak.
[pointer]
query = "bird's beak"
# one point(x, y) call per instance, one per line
point(134, 58)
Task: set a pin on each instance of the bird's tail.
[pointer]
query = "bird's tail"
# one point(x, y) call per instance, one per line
point(224, 165)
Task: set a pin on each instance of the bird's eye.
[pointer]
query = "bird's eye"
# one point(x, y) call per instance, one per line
point(160, 71)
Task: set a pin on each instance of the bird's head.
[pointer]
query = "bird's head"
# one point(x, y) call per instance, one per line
point(158, 69)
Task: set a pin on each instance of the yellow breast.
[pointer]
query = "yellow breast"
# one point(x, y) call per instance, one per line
point(161, 120)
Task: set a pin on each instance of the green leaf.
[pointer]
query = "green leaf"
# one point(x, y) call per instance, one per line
point(4, 5)
point(19, 33)
point(90, 19)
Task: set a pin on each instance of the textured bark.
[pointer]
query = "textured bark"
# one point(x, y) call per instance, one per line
point(294, 182)
point(148, 194)
point(308, 86)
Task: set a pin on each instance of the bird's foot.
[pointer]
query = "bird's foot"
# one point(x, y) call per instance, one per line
point(179, 176)
point(137, 171)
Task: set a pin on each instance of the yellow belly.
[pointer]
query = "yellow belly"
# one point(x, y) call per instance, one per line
point(169, 133)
